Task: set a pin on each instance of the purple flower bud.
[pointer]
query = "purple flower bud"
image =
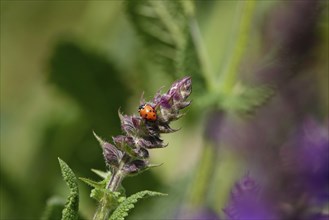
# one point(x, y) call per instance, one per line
point(135, 166)
point(142, 153)
point(130, 146)
point(182, 88)
point(165, 128)
point(130, 153)
point(111, 154)
point(130, 124)
point(169, 104)
point(151, 142)
point(166, 101)
point(121, 140)
point(182, 105)
point(246, 202)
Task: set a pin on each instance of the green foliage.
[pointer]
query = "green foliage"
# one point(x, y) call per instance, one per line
point(194, 64)
point(127, 204)
point(99, 187)
point(92, 81)
point(166, 28)
point(107, 200)
point(100, 173)
point(246, 99)
point(93, 183)
point(54, 208)
point(71, 208)
point(163, 27)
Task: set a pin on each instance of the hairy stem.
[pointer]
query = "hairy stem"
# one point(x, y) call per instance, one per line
point(116, 179)
point(203, 175)
point(201, 53)
point(228, 79)
point(105, 208)
point(103, 211)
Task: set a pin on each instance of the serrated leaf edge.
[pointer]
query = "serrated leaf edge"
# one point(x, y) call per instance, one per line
point(122, 210)
point(71, 208)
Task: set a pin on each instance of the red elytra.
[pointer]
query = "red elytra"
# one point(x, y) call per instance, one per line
point(147, 112)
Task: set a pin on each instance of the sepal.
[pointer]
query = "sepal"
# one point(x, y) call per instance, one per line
point(111, 154)
point(101, 173)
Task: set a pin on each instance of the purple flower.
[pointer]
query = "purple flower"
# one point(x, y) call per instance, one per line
point(169, 104)
point(131, 149)
point(306, 156)
point(135, 166)
point(290, 30)
point(319, 217)
point(247, 203)
point(111, 154)
point(131, 125)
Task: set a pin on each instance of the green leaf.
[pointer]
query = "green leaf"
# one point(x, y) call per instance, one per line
point(93, 183)
point(171, 36)
point(53, 209)
point(126, 205)
point(101, 193)
point(102, 174)
point(71, 208)
point(92, 81)
point(246, 99)
point(163, 28)
point(108, 201)
point(99, 187)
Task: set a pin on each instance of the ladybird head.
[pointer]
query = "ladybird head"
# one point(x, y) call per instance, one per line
point(141, 107)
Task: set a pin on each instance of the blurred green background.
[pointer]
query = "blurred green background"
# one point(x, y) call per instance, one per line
point(66, 69)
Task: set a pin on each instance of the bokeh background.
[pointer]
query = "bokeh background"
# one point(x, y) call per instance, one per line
point(68, 66)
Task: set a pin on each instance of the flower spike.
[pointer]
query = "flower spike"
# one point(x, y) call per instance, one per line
point(129, 154)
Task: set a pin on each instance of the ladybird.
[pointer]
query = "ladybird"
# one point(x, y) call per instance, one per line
point(147, 112)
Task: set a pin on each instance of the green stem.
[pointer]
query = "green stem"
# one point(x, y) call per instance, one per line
point(201, 53)
point(105, 208)
point(228, 79)
point(103, 211)
point(203, 175)
point(115, 181)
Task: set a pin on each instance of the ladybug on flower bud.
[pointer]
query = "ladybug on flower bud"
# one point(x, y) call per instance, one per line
point(147, 112)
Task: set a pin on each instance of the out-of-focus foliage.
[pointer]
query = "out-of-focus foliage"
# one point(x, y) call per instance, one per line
point(53, 209)
point(84, 77)
point(246, 99)
point(68, 66)
point(166, 30)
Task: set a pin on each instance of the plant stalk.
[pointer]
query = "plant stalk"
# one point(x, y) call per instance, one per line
point(203, 176)
point(105, 208)
point(201, 53)
point(228, 79)
point(103, 211)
